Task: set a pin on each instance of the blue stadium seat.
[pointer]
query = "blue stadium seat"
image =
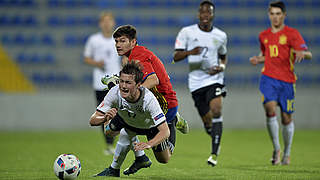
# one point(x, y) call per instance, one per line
point(70, 21)
point(54, 3)
point(54, 21)
point(49, 59)
point(316, 21)
point(16, 20)
point(89, 21)
point(30, 20)
point(70, 40)
point(47, 39)
point(35, 58)
point(22, 58)
point(4, 20)
point(19, 39)
point(6, 39)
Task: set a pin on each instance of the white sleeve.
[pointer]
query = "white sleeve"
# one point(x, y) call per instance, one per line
point(223, 48)
point(110, 100)
point(181, 40)
point(88, 48)
point(156, 111)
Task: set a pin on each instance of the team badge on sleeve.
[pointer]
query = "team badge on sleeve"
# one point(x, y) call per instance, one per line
point(158, 116)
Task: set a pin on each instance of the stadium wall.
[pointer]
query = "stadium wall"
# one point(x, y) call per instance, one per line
point(71, 110)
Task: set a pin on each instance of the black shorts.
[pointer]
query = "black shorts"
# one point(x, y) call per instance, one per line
point(117, 123)
point(203, 96)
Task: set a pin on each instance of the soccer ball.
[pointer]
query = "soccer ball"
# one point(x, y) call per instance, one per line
point(67, 167)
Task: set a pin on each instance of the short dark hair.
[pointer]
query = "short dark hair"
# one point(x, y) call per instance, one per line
point(207, 2)
point(126, 30)
point(278, 4)
point(134, 68)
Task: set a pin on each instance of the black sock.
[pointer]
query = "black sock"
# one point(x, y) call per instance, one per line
point(208, 130)
point(142, 158)
point(172, 128)
point(216, 134)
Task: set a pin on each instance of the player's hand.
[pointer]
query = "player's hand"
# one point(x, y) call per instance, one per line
point(111, 113)
point(254, 60)
point(195, 51)
point(299, 56)
point(141, 146)
point(100, 64)
point(215, 69)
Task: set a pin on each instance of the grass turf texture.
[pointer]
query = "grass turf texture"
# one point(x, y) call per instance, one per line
point(245, 154)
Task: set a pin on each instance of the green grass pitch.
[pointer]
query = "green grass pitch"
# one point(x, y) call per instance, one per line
point(245, 154)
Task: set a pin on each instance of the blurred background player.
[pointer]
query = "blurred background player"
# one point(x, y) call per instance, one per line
point(138, 113)
point(205, 47)
point(100, 53)
point(281, 46)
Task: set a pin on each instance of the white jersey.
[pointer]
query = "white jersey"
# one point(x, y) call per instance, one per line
point(100, 48)
point(144, 114)
point(213, 43)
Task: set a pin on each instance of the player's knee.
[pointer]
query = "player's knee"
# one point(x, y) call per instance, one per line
point(286, 121)
point(163, 160)
point(216, 113)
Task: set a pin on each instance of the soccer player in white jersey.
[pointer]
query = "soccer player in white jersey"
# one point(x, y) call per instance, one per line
point(138, 113)
point(205, 47)
point(100, 52)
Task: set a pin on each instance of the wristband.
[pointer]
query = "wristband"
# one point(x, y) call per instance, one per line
point(222, 66)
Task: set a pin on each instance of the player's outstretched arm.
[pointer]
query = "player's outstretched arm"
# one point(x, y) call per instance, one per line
point(254, 60)
point(151, 81)
point(301, 55)
point(181, 54)
point(98, 118)
point(163, 134)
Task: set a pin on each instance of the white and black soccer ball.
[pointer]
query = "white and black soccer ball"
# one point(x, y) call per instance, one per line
point(67, 167)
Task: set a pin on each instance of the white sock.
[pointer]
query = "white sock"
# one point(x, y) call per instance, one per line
point(287, 133)
point(273, 129)
point(136, 153)
point(122, 149)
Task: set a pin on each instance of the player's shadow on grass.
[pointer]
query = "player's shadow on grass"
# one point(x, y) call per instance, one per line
point(216, 177)
point(265, 168)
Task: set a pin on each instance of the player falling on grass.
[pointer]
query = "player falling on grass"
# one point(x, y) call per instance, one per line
point(205, 47)
point(157, 80)
point(138, 113)
point(281, 47)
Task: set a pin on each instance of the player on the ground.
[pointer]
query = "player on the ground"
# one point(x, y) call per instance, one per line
point(281, 46)
point(205, 47)
point(138, 113)
point(157, 80)
point(100, 53)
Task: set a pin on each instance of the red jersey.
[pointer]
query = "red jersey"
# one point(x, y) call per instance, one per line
point(153, 65)
point(277, 49)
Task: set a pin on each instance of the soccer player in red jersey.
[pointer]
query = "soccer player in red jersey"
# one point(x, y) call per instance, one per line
point(157, 80)
point(281, 47)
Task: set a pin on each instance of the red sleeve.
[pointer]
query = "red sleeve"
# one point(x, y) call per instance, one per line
point(147, 68)
point(297, 41)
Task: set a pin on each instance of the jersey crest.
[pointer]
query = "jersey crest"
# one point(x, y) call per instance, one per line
point(283, 39)
point(265, 41)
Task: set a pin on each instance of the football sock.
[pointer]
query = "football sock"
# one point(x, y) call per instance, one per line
point(172, 128)
point(137, 154)
point(273, 129)
point(122, 149)
point(216, 134)
point(287, 133)
point(109, 139)
point(208, 130)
